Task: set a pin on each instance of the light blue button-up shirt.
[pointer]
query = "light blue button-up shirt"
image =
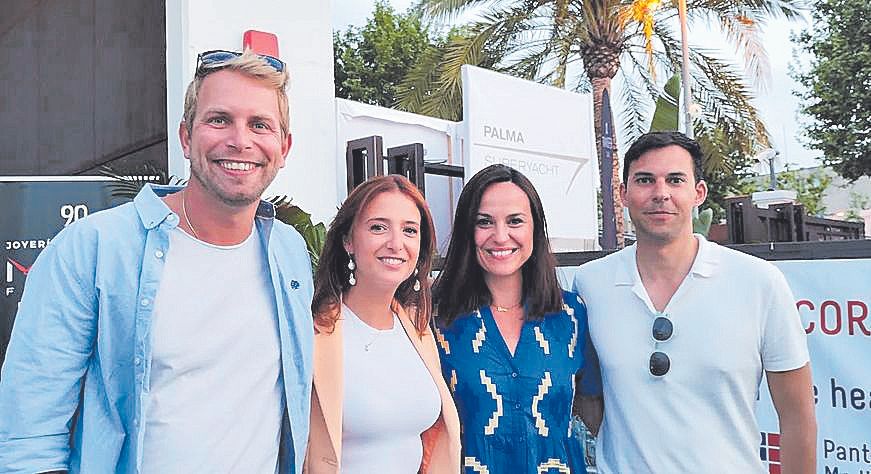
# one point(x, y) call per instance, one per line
point(80, 353)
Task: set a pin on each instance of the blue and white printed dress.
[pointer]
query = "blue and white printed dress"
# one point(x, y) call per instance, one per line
point(515, 410)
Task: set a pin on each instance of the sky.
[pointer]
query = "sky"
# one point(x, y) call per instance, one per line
point(777, 104)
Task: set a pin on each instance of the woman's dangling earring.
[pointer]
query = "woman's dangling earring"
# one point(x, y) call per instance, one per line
point(351, 266)
point(416, 286)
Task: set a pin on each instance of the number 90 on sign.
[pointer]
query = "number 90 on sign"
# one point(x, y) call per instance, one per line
point(73, 212)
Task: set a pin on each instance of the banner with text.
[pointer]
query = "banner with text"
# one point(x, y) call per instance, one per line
point(33, 213)
point(545, 133)
point(833, 297)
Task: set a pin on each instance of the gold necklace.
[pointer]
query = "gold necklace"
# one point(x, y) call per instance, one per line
point(505, 309)
point(184, 212)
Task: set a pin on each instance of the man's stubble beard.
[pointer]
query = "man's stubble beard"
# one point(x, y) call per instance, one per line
point(240, 200)
point(666, 236)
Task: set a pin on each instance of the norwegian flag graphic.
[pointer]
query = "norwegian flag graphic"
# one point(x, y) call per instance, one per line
point(769, 451)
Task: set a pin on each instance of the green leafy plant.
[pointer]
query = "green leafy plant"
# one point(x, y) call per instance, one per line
point(858, 203)
point(371, 61)
point(293, 215)
point(665, 115)
point(702, 220)
point(836, 97)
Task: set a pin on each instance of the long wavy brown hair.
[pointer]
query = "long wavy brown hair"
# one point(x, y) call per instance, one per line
point(331, 278)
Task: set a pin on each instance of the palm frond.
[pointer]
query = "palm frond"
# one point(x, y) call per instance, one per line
point(745, 34)
point(788, 9)
point(446, 10)
point(419, 82)
point(127, 186)
point(433, 86)
point(464, 50)
point(633, 117)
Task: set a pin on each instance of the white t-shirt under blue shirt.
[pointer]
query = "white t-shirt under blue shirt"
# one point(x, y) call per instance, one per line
point(213, 402)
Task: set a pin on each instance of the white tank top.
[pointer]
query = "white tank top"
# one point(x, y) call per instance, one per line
point(390, 398)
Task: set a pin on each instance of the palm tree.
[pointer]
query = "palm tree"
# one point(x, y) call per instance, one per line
point(546, 40)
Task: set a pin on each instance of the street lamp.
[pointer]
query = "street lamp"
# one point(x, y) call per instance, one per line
point(768, 158)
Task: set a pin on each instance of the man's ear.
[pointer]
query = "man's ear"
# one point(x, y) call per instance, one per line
point(185, 138)
point(286, 143)
point(701, 192)
point(285, 146)
point(623, 193)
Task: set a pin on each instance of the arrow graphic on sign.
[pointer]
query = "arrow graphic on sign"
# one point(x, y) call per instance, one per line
point(21, 268)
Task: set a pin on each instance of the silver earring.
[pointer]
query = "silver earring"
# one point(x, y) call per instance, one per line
point(352, 280)
point(416, 286)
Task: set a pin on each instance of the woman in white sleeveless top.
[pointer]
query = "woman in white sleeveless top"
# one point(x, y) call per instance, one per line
point(379, 402)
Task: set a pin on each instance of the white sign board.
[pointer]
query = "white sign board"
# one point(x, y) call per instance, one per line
point(545, 133)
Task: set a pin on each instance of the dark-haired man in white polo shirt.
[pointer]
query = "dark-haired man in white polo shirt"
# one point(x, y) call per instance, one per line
point(685, 330)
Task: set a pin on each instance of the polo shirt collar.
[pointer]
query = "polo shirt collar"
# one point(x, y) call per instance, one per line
point(704, 265)
point(626, 271)
point(707, 258)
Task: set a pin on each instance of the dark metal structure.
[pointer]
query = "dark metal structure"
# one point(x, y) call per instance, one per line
point(783, 223)
point(364, 158)
point(407, 160)
point(822, 250)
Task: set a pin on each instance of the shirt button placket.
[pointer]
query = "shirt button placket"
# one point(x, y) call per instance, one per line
point(516, 394)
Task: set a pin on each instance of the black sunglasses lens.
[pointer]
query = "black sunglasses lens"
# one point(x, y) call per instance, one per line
point(659, 363)
point(662, 328)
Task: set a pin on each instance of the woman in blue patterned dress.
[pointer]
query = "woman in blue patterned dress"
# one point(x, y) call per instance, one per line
point(513, 345)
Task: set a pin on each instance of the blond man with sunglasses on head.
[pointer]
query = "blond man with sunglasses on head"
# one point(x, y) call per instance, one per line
point(173, 334)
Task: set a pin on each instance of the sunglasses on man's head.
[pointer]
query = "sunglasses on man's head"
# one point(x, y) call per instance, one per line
point(209, 60)
point(662, 331)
